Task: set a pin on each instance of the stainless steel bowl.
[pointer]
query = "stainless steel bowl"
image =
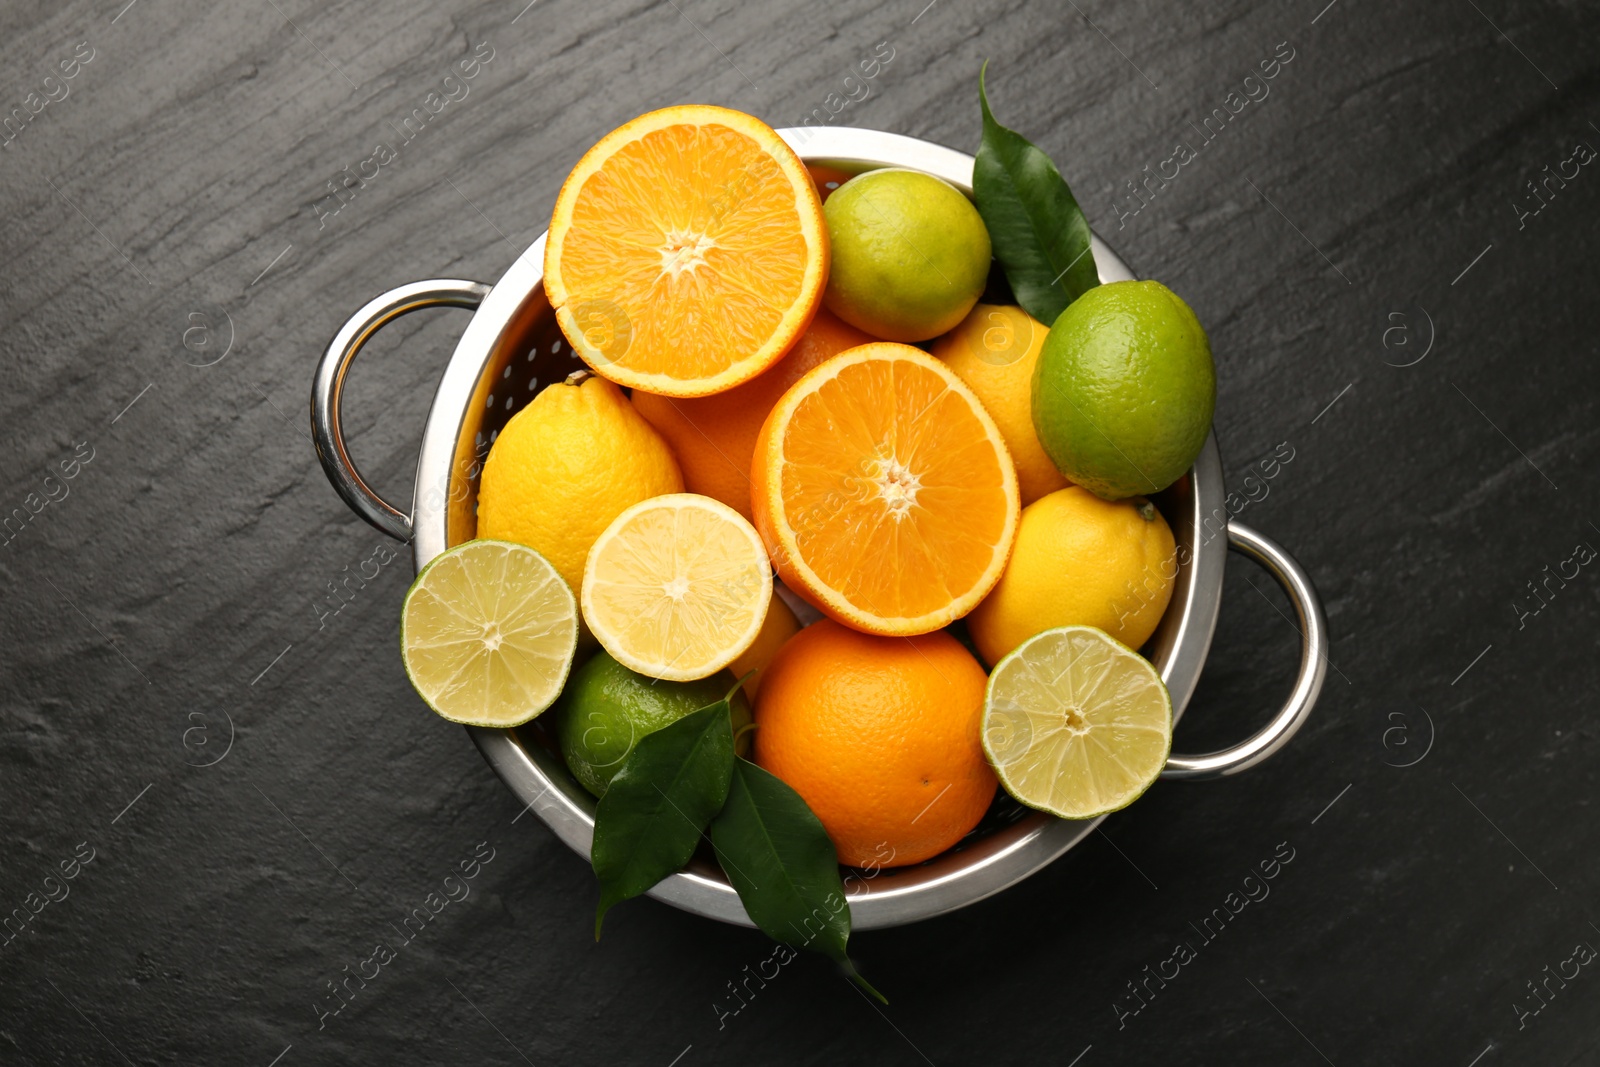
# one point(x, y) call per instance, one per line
point(512, 345)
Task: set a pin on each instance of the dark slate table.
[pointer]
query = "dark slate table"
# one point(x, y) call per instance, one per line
point(219, 793)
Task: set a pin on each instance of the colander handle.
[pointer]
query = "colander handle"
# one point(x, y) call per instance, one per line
point(1313, 629)
point(327, 390)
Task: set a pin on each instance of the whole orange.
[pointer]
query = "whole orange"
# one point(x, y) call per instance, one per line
point(880, 736)
point(715, 436)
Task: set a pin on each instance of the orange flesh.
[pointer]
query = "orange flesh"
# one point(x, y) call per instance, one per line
point(896, 491)
point(693, 231)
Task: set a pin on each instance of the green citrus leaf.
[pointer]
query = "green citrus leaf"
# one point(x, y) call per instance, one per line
point(655, 809)
point(784, 867)
point(1038, 231)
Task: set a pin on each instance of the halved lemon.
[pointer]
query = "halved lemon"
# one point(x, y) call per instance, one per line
point(487, 633)
point(1075, 723)
point(884, 491)
point(687, 251)
point(677, 587)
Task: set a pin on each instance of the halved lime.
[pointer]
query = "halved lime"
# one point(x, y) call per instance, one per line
point(487, 633)
point(1075, 723)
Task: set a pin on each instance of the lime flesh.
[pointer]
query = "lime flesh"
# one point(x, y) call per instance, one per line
point(1075, 723)
point(487, 633)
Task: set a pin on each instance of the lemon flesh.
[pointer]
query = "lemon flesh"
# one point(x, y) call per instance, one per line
point(1075, 723)
point(677, 587)
point(487, 633)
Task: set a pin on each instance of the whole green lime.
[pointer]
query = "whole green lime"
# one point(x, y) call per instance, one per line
point(910, 254)
point(1124, 389)
point(606, 708)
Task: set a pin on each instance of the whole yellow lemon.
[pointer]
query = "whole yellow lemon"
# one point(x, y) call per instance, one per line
point(566, 465)
point(995, 350)
point(1080, 561)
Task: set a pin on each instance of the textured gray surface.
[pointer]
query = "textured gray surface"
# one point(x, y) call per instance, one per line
point(173, 589)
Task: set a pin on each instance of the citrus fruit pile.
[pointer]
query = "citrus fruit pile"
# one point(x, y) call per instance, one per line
point(902, 535)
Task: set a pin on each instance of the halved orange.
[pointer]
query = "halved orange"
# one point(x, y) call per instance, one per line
point(687, 251)
point(884, 492)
